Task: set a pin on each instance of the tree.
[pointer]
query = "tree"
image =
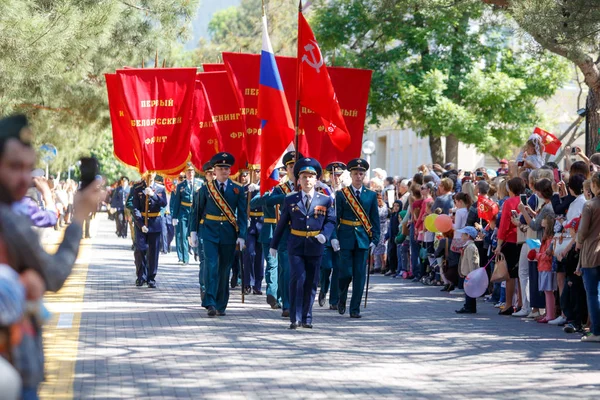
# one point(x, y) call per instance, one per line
point(54, 55)
point(442, 69)
point(239, 28)
point(571, 29)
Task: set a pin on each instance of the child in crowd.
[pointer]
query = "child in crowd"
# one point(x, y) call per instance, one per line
point(547, 278)
point(469, 261)
point(533, 153)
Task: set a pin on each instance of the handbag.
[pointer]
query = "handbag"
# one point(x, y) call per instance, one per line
point(500, 273)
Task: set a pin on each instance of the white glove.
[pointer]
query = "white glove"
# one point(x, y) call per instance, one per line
point(112, 210)
point(335, 244)
point(193, 239)
point(321, 238)
point(242, 243)
point(273, 252)
point(175, 221)
point(372, 246)
point(144, 229)
point(149, 192)
point(321, 185)
point(253, 187)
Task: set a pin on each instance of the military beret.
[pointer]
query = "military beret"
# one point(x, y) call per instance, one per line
point(307, 165)
point(222, 160)
point(358, 164)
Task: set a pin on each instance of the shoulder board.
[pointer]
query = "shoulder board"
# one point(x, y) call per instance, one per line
point(159, 184)
point(369, 190)
point(237, 184)
point(291, 194)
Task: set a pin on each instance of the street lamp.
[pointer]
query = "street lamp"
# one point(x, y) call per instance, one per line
point(368, 148)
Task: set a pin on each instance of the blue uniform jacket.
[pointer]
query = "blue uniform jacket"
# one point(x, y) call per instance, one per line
point(155, 204)
point(270, 215)
point(221, 232)
point(119, 198)
point(184, 193)
point(349, 236)
point(256, 222)
point(320, 217)
point(274, 199)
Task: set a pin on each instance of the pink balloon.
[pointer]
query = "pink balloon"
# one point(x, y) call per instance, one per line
point(443, 223)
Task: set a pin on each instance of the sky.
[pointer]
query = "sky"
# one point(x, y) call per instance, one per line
point(206, 9)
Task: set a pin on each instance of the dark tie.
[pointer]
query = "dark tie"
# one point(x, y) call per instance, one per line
point(358, 194)
point(307, 202)
point(222, 189)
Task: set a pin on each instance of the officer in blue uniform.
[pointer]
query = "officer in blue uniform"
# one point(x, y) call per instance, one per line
point(329, 266)
point(117, 202)
point(147, 237)
point(254, 271)
point(275, 199)
point(222, 215)
point(358, 232)
point(311, 218)
point(181, 210)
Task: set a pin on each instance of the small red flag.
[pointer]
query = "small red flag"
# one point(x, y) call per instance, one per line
point(315, 88)
point(487, 209)
point(550, 142)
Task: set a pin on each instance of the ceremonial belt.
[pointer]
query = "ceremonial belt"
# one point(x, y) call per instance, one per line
point(296, 232)
point(184, 203)
point(215, 217)
point(270, 220)
point(257, 214)
point(151, 215)
point(285, 188)
point(220, 201)
point(358, 210)
point(351, 223)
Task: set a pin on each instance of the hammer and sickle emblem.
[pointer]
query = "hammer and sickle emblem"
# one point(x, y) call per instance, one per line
point(314, 63)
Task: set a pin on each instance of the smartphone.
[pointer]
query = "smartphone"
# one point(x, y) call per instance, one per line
point(89, 170)
point(467, 173)
point(524, 199)
point(479, 174)
point(514, 214)
point(574, 150)
point(557, 175)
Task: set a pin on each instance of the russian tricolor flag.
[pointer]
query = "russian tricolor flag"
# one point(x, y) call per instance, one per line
point(277, 124)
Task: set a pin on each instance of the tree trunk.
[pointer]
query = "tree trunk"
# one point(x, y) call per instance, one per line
point(593, 121)
point(435, 146)
point(451, 149)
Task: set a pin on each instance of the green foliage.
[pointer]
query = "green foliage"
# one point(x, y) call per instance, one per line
point(53, 55)
point(442, 68)
point(240, 29)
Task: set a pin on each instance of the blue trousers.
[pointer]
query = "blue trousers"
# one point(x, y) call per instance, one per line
point(217, 259)
point(591, 281)
point(283, 279)
point(330, 275)
point(303, 286)
point(271, 276)
point(353, 268)
point(182, 228)
point(167, 234)
point(146, 253)
point(253, 263)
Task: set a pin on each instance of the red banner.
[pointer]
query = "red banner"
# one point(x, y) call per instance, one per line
point(205, 134)
point(550, 142)
point(353, 99)
point(124, 143)
point(160, 101)
point(213, 67)
point(227, 115)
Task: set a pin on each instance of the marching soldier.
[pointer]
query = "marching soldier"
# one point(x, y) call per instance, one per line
point(329, 266)
point(243, 179)
point(181, 211)
point(209, 175)
point(222, 215)
point(147, 236)
point(311, 217)
point(253, 255)
point(358, 232)
point(275, 199)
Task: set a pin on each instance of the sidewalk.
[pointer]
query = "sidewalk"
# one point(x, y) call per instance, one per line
point(140, 343)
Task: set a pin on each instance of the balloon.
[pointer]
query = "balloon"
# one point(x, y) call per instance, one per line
point(476, 283)
point(443, 223)
point(430, 222)
point(533, 243)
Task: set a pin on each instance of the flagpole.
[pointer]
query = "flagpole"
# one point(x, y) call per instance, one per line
point(297, 122)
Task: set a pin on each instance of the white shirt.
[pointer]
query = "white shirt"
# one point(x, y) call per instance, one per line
point(460, 220)
point(356, 191)
point(575, 208)
point(311, 194)
point(219, 183)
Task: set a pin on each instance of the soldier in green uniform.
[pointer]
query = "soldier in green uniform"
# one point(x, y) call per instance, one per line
point(181, 210)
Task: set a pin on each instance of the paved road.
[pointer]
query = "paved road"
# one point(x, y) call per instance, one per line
point(142, 343)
